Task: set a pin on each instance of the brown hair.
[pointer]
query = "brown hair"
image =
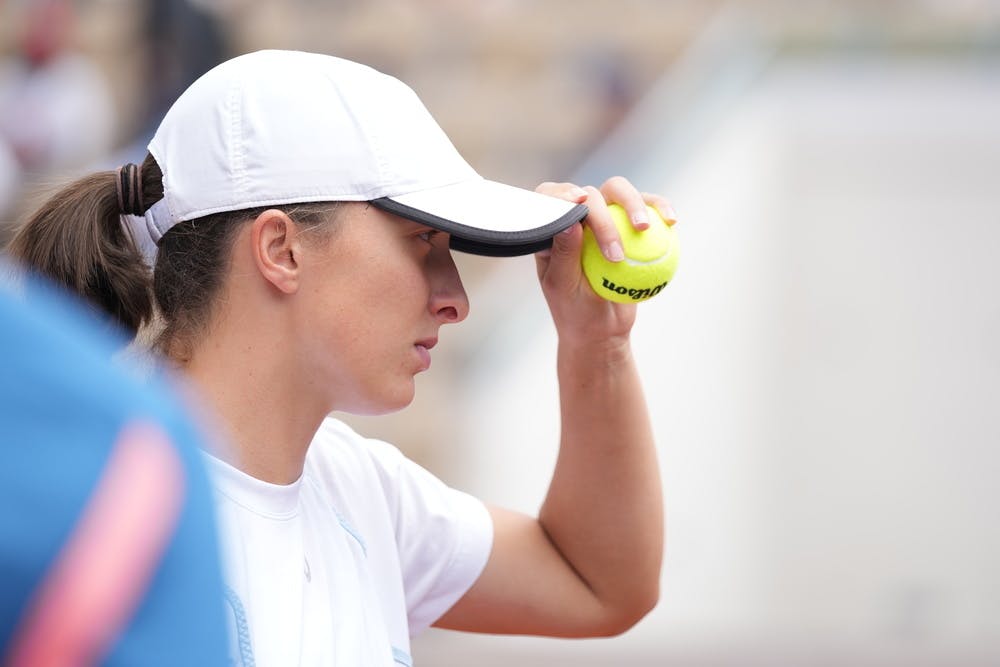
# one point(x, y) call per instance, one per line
point(77, 239)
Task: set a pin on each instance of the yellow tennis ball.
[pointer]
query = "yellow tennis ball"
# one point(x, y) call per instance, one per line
point(650, 259)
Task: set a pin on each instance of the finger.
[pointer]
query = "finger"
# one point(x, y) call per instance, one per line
point(662, 206)
point(559, 267)
point(603, 226)
point(619, 190)
point(567, 191)
point(542, 259)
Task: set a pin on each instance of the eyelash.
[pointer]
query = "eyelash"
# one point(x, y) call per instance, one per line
point(428, 234)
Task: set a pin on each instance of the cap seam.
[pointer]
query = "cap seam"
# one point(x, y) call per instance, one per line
point(237, 157)
point(375, 145)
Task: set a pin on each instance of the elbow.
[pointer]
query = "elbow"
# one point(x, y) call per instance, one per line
point(624, 617)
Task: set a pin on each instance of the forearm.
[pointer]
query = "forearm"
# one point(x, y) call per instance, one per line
point(604, 508)
point(590, 563)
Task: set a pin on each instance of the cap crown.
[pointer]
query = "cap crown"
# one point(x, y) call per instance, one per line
point(276, 127)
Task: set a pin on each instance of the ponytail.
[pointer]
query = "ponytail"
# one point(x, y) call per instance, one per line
point(77, 239)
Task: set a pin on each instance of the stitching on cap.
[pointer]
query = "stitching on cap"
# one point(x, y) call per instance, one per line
point(237, 148)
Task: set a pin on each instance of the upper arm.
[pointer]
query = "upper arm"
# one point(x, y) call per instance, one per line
point(527, 587)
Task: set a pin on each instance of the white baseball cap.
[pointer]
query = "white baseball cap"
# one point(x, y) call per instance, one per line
point(281, 127)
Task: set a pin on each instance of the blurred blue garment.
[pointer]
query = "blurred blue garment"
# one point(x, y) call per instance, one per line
point(63, 407)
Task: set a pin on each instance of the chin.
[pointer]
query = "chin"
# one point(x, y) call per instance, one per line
point(382, 404)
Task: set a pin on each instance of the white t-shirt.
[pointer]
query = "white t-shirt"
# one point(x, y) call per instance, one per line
point(343, 566)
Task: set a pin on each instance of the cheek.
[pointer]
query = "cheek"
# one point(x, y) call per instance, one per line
point(360, 337)
point(370, 372)
point(393, 288)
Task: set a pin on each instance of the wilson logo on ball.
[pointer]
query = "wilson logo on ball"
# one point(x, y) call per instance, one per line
point(631, 292)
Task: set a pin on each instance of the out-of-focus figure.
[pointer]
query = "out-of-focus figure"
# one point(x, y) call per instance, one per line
point(56, 112)
point(183, 40)
point(108, 550)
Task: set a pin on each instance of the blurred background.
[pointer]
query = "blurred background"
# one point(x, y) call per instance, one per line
point(824, 371)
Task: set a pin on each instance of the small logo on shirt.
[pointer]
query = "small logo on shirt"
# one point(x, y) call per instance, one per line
point(306, 571)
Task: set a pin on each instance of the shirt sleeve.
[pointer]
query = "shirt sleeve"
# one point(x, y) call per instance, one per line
point(444, 536)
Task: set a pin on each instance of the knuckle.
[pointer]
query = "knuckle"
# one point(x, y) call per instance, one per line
point(653, 197)
point(605, 231)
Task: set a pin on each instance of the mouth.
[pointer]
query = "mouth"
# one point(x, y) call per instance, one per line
point(423, 349)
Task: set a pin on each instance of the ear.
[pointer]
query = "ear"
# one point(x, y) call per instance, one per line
point(275, 249)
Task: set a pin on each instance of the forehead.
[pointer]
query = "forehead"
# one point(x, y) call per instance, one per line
point(361, 218)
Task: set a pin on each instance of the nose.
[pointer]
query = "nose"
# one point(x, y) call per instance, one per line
point(448, 302)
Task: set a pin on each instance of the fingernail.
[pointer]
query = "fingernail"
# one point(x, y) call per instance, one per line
point(568, 230)
point(613, 252)
point(640, 220)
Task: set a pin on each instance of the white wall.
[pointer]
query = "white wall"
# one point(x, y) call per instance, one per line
point(824, 373)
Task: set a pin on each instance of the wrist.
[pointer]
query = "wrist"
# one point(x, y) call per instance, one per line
point(595, 354)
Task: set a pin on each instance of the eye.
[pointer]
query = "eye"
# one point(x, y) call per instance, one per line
point(428, 235)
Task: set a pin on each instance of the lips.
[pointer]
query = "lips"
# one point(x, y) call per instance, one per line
point(423, 348)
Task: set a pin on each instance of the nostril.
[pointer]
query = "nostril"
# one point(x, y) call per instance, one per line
point(448, 314)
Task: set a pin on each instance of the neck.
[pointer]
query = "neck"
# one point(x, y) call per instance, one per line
point(268, 419)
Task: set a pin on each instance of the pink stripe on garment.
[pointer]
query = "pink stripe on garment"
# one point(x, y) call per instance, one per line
point(105, 567)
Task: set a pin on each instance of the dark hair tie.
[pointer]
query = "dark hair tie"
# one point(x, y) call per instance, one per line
point(128, 185)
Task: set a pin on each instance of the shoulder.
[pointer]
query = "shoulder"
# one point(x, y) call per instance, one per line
point(339, 457)
point(353, 467)
point(337, 442)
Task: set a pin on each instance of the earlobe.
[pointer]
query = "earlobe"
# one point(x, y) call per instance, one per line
point(275, 247)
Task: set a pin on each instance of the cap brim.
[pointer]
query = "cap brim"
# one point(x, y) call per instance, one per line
point(488, 218)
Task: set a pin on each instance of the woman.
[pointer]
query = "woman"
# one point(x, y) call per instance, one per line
point(301, 209)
